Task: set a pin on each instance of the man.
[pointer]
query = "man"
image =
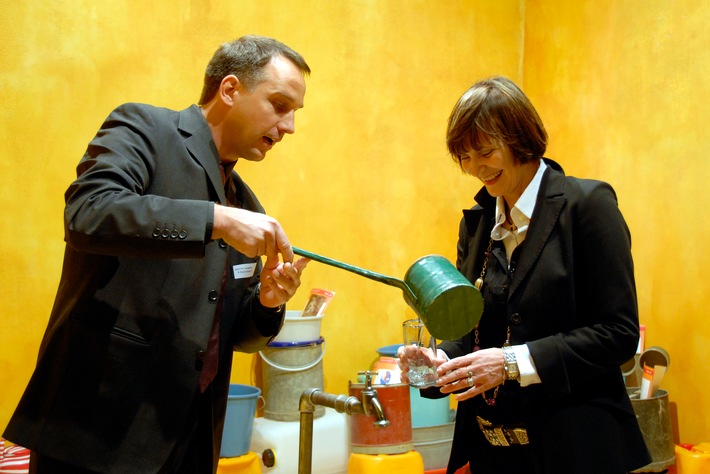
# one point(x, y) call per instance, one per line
point(163, 253)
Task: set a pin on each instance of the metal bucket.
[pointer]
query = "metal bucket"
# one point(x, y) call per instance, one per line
point(448, 304)
point(434, 444)
point(289, 369)
point(367, 438)
point(654, 418)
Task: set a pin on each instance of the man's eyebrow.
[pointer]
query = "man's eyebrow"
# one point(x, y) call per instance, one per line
point(288, 97)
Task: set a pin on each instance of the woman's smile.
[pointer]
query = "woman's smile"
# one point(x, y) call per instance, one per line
point(490, 178)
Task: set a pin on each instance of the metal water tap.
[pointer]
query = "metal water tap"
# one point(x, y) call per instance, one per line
point(312, 397)
point(370, 402)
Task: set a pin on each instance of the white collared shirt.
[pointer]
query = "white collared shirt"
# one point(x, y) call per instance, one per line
point(520, 215)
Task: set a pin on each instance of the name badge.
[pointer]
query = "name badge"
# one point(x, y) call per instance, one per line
point(245, 270)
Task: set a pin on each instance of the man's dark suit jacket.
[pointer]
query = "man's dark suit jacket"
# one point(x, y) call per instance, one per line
point(118, 368)
point(572, 300)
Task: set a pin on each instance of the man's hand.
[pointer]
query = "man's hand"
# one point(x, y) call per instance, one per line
point(278, 285)
point(252, 233)
point(255, 234)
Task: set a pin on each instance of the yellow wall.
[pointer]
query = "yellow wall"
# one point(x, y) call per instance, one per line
point(623, 89)
point(366, 178)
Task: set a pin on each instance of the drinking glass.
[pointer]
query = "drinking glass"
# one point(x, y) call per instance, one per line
point(420, 354)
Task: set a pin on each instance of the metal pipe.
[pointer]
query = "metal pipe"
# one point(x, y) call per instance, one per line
point(311, 398)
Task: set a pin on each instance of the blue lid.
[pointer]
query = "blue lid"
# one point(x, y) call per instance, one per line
point(296, 344)
point(389, 351)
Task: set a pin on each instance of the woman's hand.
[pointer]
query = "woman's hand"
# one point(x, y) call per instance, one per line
point(406, 353)
point(475, 373)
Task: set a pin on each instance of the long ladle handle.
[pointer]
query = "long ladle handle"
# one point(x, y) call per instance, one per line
point(388, 280)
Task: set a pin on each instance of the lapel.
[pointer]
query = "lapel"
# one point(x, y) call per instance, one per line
point(246, 199)
point(200, 145)
point(479, 221)
point(550, 202)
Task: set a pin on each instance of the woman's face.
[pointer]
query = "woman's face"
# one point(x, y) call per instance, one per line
point(495, 165)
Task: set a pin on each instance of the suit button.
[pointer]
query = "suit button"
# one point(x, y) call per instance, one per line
point(222, 244)
point(174, 234)
point(165, 234)
point(182, 234)
point(200, 360)
point(156, 232)
point(213, 295)
point(515, 318)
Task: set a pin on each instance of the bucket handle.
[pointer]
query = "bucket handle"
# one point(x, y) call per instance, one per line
point(298, 368)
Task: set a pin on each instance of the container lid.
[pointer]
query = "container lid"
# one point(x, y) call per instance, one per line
point(299, 318)
point(296, 344)
point(389, 351)
point(654, 356)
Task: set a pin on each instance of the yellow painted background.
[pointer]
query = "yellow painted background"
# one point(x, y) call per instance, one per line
point(621, 85)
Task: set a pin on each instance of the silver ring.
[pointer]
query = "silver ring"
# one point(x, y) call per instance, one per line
point(469, 374)
point(470, 380)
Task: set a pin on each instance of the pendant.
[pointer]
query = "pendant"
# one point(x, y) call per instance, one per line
point(491, 402)
point(478, 283)
point(476, 348)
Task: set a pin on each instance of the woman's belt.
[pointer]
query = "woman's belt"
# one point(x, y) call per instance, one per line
point(503, 435)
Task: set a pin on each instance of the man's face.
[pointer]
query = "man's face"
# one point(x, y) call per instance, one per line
point(259, 118)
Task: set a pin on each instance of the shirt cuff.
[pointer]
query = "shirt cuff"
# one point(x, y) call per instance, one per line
point(209, 227)
point(268, 320)
point(526, 366)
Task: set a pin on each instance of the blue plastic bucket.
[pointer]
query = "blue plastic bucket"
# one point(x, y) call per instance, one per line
point(239, 420)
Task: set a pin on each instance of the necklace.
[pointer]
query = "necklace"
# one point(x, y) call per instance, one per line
point(490, 401)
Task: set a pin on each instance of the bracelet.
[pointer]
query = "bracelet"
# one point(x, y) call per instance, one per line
point(511, 364)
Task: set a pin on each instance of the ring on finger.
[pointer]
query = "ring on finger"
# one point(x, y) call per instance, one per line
point(469, 374)
point(470, 380)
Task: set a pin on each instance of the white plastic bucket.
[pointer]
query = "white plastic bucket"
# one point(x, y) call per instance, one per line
point(299, 328)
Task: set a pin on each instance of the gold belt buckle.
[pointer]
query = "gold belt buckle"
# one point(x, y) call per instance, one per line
point(499, 435)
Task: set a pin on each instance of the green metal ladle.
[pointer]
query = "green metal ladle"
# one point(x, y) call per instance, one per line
point(448, 304)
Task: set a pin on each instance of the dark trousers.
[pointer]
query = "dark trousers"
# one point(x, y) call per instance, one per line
point(193, 454)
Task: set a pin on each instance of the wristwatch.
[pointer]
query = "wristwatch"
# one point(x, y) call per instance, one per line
point(511, 364)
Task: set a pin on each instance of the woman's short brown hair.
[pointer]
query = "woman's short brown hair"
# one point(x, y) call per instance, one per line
point(496, 109)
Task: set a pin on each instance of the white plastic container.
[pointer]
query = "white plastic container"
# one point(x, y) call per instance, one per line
point(299, 328)
point(330, 452)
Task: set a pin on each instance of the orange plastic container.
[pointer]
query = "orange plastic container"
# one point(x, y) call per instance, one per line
point(405, 463)
point(249, 463)
point(693, 461)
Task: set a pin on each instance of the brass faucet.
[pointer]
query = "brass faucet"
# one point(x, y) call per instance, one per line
point(312, 397)
point(370, 401)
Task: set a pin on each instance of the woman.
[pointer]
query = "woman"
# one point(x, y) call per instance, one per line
point(538, 380)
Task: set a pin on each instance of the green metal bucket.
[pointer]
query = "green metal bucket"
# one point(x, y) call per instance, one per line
point(448, 304)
